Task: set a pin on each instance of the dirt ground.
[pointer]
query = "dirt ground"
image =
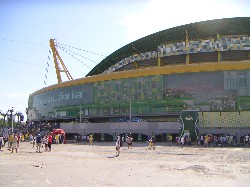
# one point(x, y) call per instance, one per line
point(83, 165)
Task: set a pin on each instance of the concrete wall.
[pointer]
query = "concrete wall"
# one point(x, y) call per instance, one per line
point(146, 128)
point(124, 127)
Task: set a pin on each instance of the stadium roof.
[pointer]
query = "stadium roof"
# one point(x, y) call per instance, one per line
point(199, 30)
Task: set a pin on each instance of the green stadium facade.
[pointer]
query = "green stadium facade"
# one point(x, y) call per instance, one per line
point(202, 67)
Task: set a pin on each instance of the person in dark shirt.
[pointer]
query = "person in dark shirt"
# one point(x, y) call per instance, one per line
point(38, 143)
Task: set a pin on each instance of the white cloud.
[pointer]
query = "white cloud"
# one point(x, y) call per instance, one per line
point(161, 14)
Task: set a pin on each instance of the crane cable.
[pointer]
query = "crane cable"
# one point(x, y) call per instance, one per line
point(66, 51)
point(63, 48)
point(92, 52)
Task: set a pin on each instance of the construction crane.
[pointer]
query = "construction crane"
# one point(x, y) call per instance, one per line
point(57, 57)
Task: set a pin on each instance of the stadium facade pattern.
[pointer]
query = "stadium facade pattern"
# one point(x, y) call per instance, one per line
point(202, 66)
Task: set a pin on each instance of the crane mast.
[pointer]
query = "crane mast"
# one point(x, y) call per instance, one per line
point(57, 57)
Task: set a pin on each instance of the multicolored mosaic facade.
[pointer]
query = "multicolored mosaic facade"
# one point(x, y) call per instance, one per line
point(224, 119)
point(209, 45)
point(139, 89)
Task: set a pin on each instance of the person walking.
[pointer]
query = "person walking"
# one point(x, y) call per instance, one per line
point(45, 141)
point(14, 144)
point(1, 141)
point(49, 141)
point(5, 139)
point(33, 141)
point(246, 140)
point(149, 142)
point(153, 142)
point(90, 140)
point(117, 146)
point(129, 141)
point(10, 140)
point(38, 143)
point(182, 141)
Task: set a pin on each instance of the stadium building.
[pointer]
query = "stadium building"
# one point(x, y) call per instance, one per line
point(199, 71)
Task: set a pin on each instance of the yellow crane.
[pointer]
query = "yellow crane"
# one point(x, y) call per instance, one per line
point(57, 57)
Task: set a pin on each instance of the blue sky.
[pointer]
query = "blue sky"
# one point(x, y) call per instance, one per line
point(100, 26)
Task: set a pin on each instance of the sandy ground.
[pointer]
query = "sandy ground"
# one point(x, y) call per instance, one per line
point(83, 165)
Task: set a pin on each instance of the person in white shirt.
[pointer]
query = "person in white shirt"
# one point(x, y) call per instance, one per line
point(246, 140)
point(46, 142)
point(182, 141)
point(117, 146)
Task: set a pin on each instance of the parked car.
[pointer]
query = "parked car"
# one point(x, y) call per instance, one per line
point(126, 119)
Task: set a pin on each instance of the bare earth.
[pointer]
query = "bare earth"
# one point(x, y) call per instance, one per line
point(83, 165)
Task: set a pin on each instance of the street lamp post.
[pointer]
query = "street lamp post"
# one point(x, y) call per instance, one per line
point(80, 113)
point(11, 113)
point(130, 109)
point(2, 114)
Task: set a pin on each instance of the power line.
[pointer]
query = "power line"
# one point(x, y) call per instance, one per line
point(43, 65)
point(47, 71)
point(20, 61)
point(25, 42)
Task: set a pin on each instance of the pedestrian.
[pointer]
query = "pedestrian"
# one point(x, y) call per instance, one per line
point(57, 138)
point(10, 140)
point(120, 140)
point(117, 146)
point(49, 141)
point(178, 141)
point(1, 141)
point(246, 140)
point(206, 140)
point(182, 141)
point(202, 140)
point(22, 138)
point(33, 141)
point(188, 140)
point(45, 141)
point(149, 142)
point(14, 144)
point(62, 138)
point(153, 142)
point(5, 139)
point(18, 140)
point(38, 143)
point(130, 141)
point(90, 140)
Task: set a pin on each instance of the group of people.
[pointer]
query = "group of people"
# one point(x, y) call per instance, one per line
point(40, 140)
point(13, 141)
point(119, 140)
point(208, 140)
point(89, 139)
point(183, 140)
